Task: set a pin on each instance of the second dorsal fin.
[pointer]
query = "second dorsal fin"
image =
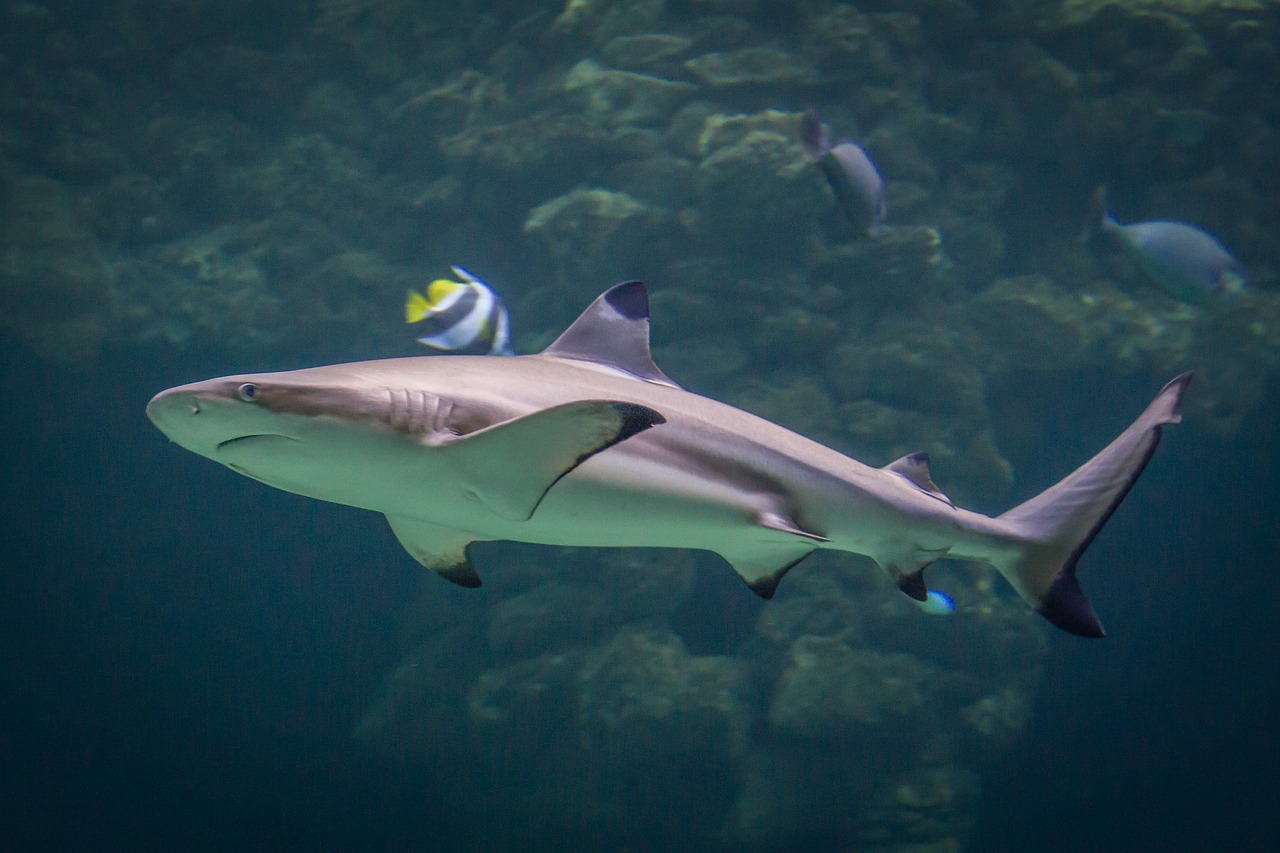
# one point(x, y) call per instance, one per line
point(613, 331)
point(914, 468)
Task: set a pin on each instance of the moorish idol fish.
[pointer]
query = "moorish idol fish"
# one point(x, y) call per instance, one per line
point(462, 317)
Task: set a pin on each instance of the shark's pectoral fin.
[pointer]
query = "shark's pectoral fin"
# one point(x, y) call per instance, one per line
point(914, 468)
point(509, 466)
point(763, 567)
point(906, 568)
point(441, 549)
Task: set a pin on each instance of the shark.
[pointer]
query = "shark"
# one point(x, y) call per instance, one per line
point(588, 443)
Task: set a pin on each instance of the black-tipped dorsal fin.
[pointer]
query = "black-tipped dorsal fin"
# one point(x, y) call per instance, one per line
point(613, 331)
point(914, 468)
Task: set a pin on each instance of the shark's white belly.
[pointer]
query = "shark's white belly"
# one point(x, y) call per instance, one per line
point(651, 491)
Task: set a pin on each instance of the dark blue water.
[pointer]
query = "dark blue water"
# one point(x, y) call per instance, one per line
point(1162, 736)
point(185, 651)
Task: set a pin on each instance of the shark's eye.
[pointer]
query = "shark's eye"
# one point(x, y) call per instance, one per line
point(248, 392)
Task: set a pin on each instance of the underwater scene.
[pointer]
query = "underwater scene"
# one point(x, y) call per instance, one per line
point(974, 245)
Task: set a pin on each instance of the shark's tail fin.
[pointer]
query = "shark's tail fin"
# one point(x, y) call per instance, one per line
point(1056, 526)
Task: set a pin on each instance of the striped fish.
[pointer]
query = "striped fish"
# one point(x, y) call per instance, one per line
point(462, 317)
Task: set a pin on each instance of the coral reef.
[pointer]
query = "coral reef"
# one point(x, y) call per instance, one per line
point(589, 711)
point(55, 286)
point(658, 137)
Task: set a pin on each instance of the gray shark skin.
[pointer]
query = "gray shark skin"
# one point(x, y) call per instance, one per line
point(589, 444)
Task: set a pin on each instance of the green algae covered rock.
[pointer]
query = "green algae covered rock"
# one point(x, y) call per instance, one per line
point(752, 176)
point(652, 53)
point(751, 66)
point(814, 604)
point(591, 234)
point(1038, 325)
point(550, 616)
point(624, 98)
point(505, 700)
point(829, 689)
point(645, 694)
point(55, 287)
point(929, 810)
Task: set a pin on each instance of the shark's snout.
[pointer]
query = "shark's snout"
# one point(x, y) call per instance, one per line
point(168, 409)
point(179, 414)
point(200, 419)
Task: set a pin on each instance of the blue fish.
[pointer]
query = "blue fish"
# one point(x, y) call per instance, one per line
point(853, 177)
point(937, 604)
point(1187, 262)
point(462, 317)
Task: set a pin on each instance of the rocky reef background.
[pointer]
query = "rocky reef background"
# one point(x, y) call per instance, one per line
point(264, 180)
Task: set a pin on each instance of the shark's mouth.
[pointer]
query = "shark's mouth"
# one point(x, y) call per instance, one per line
point(252, 441)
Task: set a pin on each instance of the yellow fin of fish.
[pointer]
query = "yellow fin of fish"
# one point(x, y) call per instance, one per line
point(416, 307)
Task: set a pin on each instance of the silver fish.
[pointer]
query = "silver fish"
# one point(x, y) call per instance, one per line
point(853, 177)
point(588, 443)
point(1187, 262)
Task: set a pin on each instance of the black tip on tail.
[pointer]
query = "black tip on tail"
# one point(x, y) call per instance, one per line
point(630, 299)
point(1066, 606)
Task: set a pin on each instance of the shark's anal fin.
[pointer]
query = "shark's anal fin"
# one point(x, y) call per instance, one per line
point(906, 568)
point(914, 468)
point(614, 331)
point(510, 466)
point(441, 549)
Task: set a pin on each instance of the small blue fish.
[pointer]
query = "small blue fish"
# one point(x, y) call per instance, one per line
point(853, 177)
point(1187, 262)
point(462, 317)
point(937, 604)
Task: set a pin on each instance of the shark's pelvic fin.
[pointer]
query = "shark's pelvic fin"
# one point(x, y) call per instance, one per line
point(509, 466)
point(914, 468)
point(440, 549)
point(1057, 525)
point(779, 522)
point(763, 567)
point(614, 331)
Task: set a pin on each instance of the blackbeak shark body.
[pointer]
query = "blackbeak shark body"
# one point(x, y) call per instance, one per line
point(589, 444)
